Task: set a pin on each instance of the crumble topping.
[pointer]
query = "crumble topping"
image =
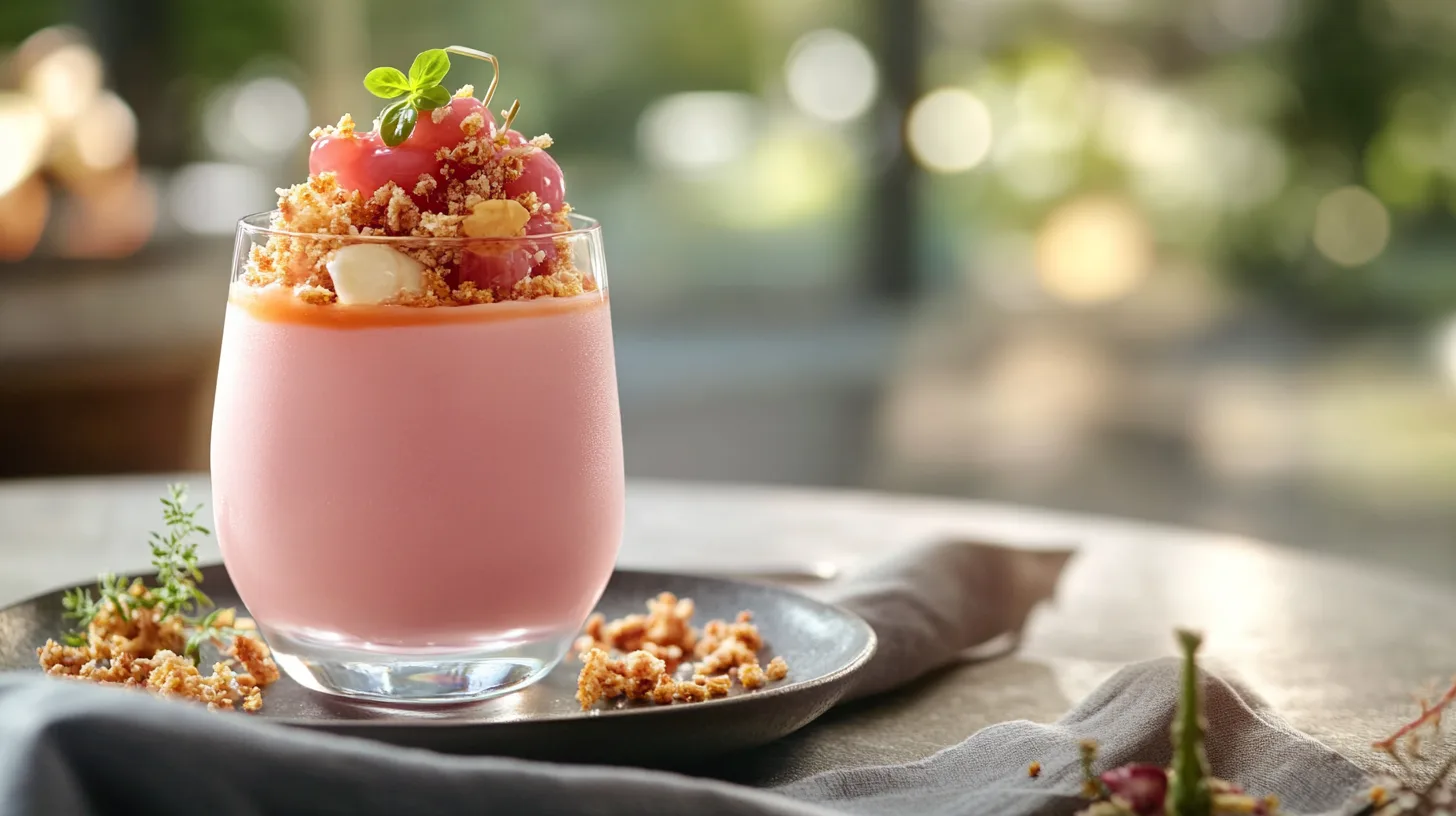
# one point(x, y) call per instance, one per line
point(657, 647)
point(443, 204)
point(140, 650)
point(345, 128)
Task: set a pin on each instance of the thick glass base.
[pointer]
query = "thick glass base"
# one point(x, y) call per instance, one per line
point(416, 677)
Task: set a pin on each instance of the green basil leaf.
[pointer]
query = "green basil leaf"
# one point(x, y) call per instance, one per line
point(429, 68)
point(397, 123)
point(430, 98)
point(386, 83)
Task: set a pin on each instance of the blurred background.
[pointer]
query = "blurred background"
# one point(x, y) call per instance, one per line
point(1181, 260)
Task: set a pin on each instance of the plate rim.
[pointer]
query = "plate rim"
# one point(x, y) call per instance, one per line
point(855, 663)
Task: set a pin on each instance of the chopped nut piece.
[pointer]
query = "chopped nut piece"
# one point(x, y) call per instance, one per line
point(496, 218)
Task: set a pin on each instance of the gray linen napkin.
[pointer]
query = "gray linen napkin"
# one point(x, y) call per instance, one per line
point(72, 748)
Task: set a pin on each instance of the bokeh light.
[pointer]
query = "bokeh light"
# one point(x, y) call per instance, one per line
point(1093, 250)
point(1351, 226)
point(271, 113)
point(697, 130)
point(1443, 344)
point(831, 75)
point(949, 130)
point(24, 135)
point(208, 197)
point(112, 217)
point(262, 118)
point(64, 80)
point(110, 134)
point(23, 212)
point(1037, 151)
point(1251, 19)
point(1246, 425)
point(792, 174)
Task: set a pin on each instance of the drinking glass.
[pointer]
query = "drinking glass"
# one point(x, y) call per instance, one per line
point(418, 505)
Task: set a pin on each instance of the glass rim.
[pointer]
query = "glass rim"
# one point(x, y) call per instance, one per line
point(258, 223)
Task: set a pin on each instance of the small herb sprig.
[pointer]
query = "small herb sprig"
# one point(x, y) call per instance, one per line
point(421, 90)
point(175, 592)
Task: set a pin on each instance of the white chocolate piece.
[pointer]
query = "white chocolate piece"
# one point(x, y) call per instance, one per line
point(373, 273)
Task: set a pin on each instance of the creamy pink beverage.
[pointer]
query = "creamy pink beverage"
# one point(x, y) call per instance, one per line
point(400, 479)
point(416, 448)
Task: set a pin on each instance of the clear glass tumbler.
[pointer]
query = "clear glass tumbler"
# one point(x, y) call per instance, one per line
point(418, 505)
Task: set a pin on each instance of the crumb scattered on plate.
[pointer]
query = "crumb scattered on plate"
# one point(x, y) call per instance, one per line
point(655, 649)
point(139, 650)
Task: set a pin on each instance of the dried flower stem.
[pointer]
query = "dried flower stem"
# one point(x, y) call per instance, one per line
point(1430, 715)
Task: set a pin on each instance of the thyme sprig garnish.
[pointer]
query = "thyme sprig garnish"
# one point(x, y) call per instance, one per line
point(174, 591)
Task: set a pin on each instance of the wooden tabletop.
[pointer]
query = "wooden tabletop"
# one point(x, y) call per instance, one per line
point(1338, 647)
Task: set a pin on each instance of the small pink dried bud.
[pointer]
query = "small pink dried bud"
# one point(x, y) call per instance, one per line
point(1143, 787)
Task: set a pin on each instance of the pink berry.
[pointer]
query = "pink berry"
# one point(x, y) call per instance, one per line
point(430, 135)
point(496, 268)
point(540, 175)
point(540, 224)
point(1143, 787)
point(364, 163)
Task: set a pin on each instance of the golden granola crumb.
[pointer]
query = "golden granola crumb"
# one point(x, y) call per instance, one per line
point(344, 128)
point(425, 185)
point(257, 659)
point(730, 653)
point(438, 114)
point(253, 701)
point(401, 214)
point(141, 650)
point(530, 201)
point(314, 295)
point(657, 643)
point(777, 669)
point(597, 680)
point(137, 631)
point(1033, 770)
point(465, 92)
point(557, 284)
point(166, 673)
point(638, 676)
point(472, 124)
point(668, 622)
point(690, 692)
point(467, 294)
point(719, 686)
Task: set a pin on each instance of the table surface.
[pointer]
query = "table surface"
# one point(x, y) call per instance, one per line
point(1337, 646)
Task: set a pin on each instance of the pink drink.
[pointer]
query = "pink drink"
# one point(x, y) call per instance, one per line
point(416, 448)
point(345, 514)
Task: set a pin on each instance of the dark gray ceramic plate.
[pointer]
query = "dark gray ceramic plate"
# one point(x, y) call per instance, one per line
point(824, 645)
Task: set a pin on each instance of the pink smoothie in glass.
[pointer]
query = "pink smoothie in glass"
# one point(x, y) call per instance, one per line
point(391, 478)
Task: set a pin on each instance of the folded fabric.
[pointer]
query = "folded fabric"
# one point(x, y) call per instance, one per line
point(73, 748)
